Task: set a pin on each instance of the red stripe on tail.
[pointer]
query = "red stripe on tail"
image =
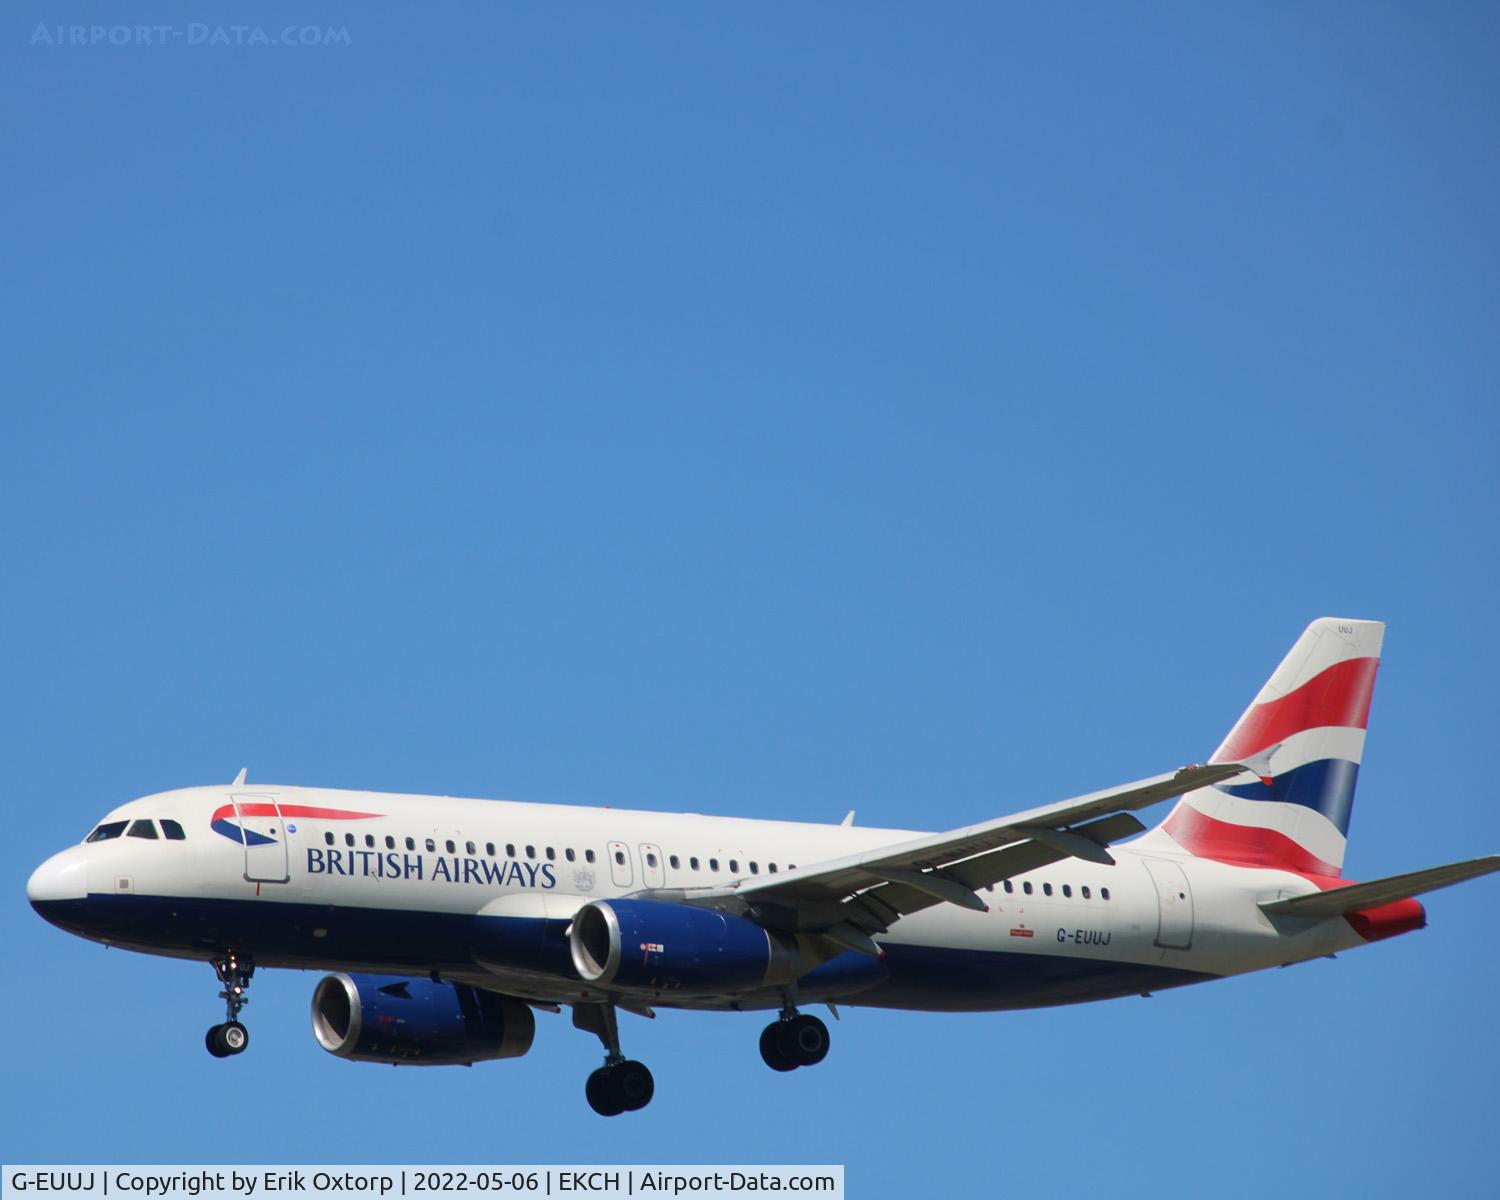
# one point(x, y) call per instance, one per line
point(1338, 696)
point(1241, 845)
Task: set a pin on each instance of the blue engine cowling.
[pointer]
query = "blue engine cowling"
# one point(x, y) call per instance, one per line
point(667, 947)
point(378, 1018)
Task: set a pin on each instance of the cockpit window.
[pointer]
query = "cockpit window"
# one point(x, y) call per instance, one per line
point(110, 829)
point(142, 829)
point(173, 831)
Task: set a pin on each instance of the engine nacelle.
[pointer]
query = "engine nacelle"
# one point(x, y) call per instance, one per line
point(377, 1018)
point(662, 946)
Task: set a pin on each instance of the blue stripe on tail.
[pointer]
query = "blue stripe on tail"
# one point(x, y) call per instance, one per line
point(1325, 786)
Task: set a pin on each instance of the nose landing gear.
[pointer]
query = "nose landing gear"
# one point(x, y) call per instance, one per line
point(231, 1037)
point(794, 1040)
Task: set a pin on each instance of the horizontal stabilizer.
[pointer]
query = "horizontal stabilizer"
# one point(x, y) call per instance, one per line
point(1360, 896)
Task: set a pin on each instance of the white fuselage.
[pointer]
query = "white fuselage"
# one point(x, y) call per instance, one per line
point(484, 891)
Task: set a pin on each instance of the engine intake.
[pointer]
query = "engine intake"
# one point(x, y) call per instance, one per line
point(377, 1018)
point(662, 946)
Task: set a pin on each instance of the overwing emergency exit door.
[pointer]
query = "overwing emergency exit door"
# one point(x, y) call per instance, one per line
point(619, 864)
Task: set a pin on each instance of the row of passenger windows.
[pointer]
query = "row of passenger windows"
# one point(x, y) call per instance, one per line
point(713, 864)
point(170, 830)
point(1067, 889)
point(550, 853)
point(469, 847)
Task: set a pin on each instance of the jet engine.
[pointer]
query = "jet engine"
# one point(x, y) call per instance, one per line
point(419, 1022)
point(669, 947)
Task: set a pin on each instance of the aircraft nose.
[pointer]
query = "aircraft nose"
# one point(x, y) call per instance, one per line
point(62, 877)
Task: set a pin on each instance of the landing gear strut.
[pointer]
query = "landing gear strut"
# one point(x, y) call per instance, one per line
point(621, 1084)
point(794, 1040)
point(231, 1037)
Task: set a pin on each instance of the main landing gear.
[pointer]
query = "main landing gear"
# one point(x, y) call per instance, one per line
point(794, 1040)
point(621, 1085)
point(231, 1037)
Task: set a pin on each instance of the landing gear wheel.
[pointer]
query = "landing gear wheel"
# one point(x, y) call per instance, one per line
point(227, 1039)
point(211, 1040)
point(634, 1085)
point(603, 1096)
point(805, 1040)
point(770, 1048)
point(234, 1036)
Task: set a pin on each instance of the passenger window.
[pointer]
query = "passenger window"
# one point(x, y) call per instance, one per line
point(1026, 887)
point(551, 854)
point(390, 842)
point(1046, 889)
point(411, 843)
point(468, 847)
point(620, 857)
point(431, 846)
point(693, 862)
point(713, 864)
point(111, 829)
point(510, 849)
point(1085, 890)
point(449, 844)
point(530, 851)
point(568, 854)
point(489, 849)
point(734, 866)
point(1104, 893)
point(142, 829)
point(370, 840)
point(771, 868)
point(650, 859)
point(1067, 890)
point(588, 856)
point(328, 839)
point(673, 860)
point(1009, 887)
point(989, 887)
point(348, 839)
point(173, 831)
point(755, 868)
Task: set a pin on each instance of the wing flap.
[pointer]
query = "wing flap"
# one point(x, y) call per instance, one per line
point(1358, 896)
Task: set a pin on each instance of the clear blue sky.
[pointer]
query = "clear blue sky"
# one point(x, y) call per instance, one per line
point(769, 410)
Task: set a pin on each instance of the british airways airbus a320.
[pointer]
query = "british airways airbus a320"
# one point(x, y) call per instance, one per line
point(447, 921)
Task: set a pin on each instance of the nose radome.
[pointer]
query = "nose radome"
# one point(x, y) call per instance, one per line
point(62, 877)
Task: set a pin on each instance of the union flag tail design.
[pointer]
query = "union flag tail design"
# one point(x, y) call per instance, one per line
point(1305, 733)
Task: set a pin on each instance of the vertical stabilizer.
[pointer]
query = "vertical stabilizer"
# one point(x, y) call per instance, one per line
point(1305, 732)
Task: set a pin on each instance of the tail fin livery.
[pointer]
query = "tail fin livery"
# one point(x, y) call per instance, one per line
point(1305, 732)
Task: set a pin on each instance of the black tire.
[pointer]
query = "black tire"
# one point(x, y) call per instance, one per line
point(603, 1096)
point(806, 1040)
point(234, 1037)
point(211, 1040)
point(634, 1085)
point(771, 1051)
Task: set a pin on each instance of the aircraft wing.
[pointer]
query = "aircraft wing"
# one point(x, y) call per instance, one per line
point(1337, 901)
point(848, 899)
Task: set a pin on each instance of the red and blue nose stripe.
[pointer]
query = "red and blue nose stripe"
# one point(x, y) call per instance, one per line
point(221, 822)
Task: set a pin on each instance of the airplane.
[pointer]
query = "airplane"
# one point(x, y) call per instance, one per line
point(444, 923)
